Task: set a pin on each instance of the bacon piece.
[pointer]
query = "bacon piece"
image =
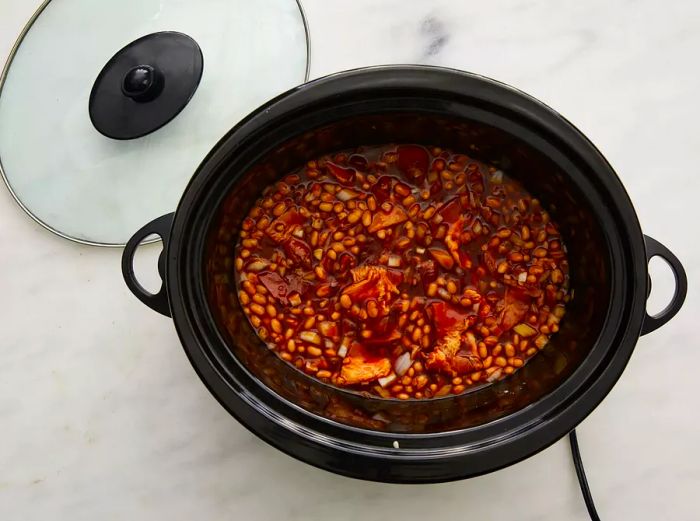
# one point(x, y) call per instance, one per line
point(490, 261)
point(460, 363)
point(358, 367)
point(384, 326)
point(280, 287)
point(289, 221)
point(383, 220)
point(298, 251)
point(374, 282)
point(382, 188)
point(447, 319)
point(442, 257)
point(515, 309)
point(372, 272)
point(413, 162)
point(346, 261)
point(456, 351)
point(449, 345)
point(428, 272)
point(466, 363)
point(344, 175)
point(452, 214)
point(449, 357)
point(451, 211)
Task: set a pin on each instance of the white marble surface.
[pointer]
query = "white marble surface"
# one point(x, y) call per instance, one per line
point(102, 417)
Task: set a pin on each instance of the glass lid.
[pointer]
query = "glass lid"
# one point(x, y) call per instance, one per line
point(107, 108)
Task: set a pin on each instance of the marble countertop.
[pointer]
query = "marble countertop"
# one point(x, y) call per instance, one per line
point(102, 416)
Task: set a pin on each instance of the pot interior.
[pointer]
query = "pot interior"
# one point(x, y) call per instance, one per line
point(555, 179)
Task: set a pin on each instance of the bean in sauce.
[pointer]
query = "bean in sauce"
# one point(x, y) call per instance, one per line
point(403, 271)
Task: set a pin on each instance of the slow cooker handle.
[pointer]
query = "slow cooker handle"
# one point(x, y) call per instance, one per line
point(656, 249)
point(157, 301)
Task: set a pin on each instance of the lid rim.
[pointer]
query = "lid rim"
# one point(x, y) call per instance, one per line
point(3, 77)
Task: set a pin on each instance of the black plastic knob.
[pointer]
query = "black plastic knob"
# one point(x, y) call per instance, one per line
point(145, 85)
point(142, 83)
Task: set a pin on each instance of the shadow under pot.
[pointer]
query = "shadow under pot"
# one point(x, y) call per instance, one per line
point(413, 441)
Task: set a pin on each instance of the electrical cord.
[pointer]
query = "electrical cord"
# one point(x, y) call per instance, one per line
point(581, 475)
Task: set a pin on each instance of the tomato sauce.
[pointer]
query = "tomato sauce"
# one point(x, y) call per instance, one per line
point(403, 271)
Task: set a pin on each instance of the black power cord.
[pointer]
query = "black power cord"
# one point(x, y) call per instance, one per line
point(581, 475)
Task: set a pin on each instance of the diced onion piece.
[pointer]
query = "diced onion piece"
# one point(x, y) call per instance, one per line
point(497, 177)
point(522, 277)
point(310, 336)
point(494, 376)
point(525, 330)
point(403, 363)
point(444, 294)
point(345, 194)
point(541, 341)
point(294, 299)
point(298, 232)
point(394, 261)
point(420, 250)
point(256, 265)
point(389, 216)
point(386, 380)
point(318, 253)
point(325, 327)
point(328, 343)
point(343, 349)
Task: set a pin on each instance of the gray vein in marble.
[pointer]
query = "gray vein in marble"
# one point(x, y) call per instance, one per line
point(102, 416)
point(437, 37)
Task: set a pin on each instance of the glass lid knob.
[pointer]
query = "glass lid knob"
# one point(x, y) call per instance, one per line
point(142, 83)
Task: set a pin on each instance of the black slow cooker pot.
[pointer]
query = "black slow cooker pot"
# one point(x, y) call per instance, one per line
point(410, 441)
